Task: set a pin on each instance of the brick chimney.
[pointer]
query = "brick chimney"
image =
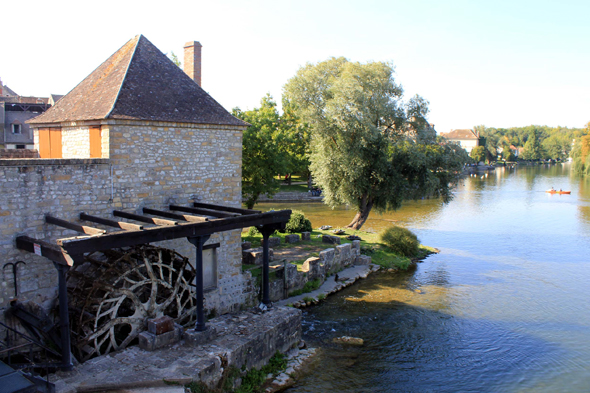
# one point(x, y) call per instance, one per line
point(192, 60)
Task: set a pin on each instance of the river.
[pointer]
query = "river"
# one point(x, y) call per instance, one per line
point(504, 307)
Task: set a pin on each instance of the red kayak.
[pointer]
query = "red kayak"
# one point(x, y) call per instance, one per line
point(558, 192)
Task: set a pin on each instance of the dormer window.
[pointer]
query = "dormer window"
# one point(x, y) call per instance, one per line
point(16, 128)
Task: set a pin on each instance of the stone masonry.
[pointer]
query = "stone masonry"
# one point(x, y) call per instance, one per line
point(146, 164)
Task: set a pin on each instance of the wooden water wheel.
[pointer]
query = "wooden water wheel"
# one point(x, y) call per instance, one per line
point(114, 292)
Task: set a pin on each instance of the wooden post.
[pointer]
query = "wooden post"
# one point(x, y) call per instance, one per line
point(64, 318)
point(198, 242)
point(266, 232)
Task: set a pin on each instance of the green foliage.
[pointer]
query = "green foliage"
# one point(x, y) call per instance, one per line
point(581, 155)
point(478, 154)
point(308, 299)
point(532, 148)
point(253, 231)
point(197, 387)
point(298, 223)
point(508, 155)
point(175, 59)
point(321, 296)
point(550, 142)
point(261, 153)
point(401, 240)
point(369, 148)
point(307, 288)
point(254, 378)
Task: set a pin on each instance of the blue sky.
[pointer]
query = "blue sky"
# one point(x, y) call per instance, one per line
point(497, 63)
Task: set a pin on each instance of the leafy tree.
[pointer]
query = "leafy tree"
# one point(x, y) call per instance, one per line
point(557, 146)
point(532, 148)
point(261, 153)
point(508, 155)
point(581, 154)
point(478, 154)
point(365, 148)
point(294, 140)
point(175, 59)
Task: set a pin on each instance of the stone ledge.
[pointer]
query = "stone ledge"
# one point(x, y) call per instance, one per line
point(52, 161)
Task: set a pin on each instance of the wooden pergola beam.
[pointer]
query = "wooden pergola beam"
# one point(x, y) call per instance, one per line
point(226, 208)
point(182, 217)
point(76, 227)
point(111, 223)
point(149, 220)
point(207, 212)
point(156, 234)
point(44, 249)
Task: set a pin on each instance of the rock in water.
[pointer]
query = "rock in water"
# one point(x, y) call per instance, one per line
point(346, 340)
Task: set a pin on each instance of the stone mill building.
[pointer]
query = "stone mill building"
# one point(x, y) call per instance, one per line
point(137, 132)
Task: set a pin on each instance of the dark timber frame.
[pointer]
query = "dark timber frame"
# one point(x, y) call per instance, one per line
point(196, 223)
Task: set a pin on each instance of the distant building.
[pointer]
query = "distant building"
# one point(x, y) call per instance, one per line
point(15, 133)
point(467, 139)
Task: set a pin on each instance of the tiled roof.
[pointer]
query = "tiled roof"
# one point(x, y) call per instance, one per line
point(7, 91)
point(24, 100)
point(460, 134)
point(138, 82)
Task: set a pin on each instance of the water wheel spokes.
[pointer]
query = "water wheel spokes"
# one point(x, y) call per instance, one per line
point(142, 282)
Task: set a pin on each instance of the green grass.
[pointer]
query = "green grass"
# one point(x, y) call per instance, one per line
point(307, 288)
point(254, 378)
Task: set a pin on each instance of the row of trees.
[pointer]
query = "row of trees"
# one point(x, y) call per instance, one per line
point(348, 125)
point(538, 142)
point(581, 153)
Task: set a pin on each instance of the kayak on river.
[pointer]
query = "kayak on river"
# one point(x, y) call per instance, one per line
point(552, 191)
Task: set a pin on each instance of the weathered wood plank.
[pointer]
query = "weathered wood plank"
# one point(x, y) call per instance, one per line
point(182, 217)
point(208, 212)
point(76, 227)
point(226, 208)
point(137, 217)
point(115, 224)
point(44, 249)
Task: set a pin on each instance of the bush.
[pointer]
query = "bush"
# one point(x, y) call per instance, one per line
point(298, 223)
point(401, 241)
point(253, 231)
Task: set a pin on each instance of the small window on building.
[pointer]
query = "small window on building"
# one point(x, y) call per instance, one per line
point(16, 128)
point(21, 146)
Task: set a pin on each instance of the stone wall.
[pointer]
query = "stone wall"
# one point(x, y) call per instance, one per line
point(291, 196)
point(19, 153)
point(149, 165)
point(330, 261)
point(75, 142)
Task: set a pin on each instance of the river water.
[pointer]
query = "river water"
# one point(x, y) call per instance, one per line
point(504, 307)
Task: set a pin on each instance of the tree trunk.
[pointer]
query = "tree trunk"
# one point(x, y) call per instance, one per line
point(309, 181)
point(362, 215)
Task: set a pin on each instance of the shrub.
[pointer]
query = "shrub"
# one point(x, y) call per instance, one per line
point(298, 223)
point(253, 231)
point(401, 241)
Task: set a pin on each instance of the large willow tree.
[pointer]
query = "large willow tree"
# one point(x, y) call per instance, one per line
point(369, 148)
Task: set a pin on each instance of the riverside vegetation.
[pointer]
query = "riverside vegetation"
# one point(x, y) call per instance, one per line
point(394, 248)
